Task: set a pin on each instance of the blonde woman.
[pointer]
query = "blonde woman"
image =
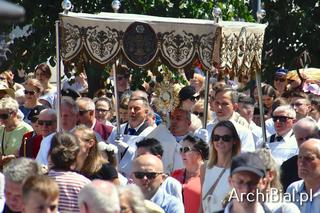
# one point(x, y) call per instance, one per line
point(225, 144)
point(90, 161)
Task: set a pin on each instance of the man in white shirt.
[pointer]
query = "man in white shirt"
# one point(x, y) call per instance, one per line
point(306, 192)
point(69, 118)
point(224, 104)
point(283, 144)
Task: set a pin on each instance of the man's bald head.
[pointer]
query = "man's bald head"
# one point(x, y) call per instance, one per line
point(148, 160)
point(312, 145)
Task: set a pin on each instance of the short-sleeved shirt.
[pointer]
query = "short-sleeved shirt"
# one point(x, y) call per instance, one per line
point(11, 140)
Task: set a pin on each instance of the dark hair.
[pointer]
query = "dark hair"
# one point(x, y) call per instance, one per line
point(315, 101)
point(45, 69)
point(231, 92)
point(268, 90)
point(213, 156)
point(63, 150)
point(201, 146)
point(278, 102)
point(152, 145)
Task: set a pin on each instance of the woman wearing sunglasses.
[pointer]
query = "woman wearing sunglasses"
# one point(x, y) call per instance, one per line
point(194, 151)
point(225, 144)
point(32, 91)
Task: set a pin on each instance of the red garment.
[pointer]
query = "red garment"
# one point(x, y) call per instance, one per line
point(30, 145)
point(191, 191)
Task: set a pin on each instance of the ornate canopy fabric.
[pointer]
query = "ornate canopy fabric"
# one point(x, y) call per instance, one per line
point(143, 39)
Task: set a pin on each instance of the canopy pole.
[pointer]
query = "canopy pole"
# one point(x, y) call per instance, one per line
point(58, 73)
point(206, 100)
point(116, 97)
point(261, 108)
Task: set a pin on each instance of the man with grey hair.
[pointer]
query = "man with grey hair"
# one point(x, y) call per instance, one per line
point(99, 197)
point(304, 129)
point(69, 119)
point(15, 172)
point(283, 144)
point(306, 191)
point(87, 116)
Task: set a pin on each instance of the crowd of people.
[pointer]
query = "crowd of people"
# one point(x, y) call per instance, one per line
point(152, 163)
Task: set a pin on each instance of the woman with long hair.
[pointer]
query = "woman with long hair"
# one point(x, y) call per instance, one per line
point(225, 144)
point(194, 151)
point(90, 161)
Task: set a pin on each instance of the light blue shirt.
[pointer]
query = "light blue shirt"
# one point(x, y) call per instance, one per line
point(305, 205)
point(168, 203)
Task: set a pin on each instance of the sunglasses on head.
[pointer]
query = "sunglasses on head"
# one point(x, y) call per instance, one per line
point(225, 138)
point(281, 119)
point(4, 116)
point(199, 114)
point(30, 92)
point(43, 122)
point(281, 79)
point(149, 175)
point(186, 149)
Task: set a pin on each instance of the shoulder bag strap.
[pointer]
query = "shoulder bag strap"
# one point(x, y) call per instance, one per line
point(214, 185)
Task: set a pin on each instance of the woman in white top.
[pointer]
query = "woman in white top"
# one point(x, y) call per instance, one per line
point(224, 144)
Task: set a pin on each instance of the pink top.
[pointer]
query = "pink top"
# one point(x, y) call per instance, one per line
point(191, 190)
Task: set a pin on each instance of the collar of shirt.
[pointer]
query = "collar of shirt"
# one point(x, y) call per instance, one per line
point(287, 137)
point(137, 128)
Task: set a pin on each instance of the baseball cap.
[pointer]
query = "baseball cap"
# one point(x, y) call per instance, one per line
point(248, 161)
point(187, 92)
point(282, 71)
point(36, 111)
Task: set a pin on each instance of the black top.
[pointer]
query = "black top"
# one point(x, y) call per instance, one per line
point(289, 172)
point(107, 172)
point(7, 210)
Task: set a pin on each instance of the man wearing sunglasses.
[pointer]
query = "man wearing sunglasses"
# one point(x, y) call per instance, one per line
point(147, 173)
point(87, 116)
point(12, 129)
point(283, 144)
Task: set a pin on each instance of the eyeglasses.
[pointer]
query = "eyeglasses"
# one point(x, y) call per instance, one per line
point(82, 112)
point(281, 119)
point(33, 119)
point(280, 79)
point(102, 110)
point(149, 175)
point(44, 122)
point(29, 92)
point(199, 114)
point(186, 149)
point(5, 116)
point(225, 138)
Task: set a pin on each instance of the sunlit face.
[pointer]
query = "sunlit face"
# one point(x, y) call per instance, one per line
point(179, 122)
point(47, 124)
point(38, 204)
point(246, 111)
point(283, 127)
point(223, 106)
point(31, 93)
point(138, 112)
point(41, 76)
point(190, 156)
point(103, 111)
point(125, 204)
point(13, 195)
point(301, 106)
point(68, 118)
point(267, 101)
point(197, 82)
point(223, 147)
point(280, 83)
point(308, 162)
point(245, 182)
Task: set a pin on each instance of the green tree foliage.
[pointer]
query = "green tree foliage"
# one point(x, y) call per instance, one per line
point(293, 27)
point(42, 14)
